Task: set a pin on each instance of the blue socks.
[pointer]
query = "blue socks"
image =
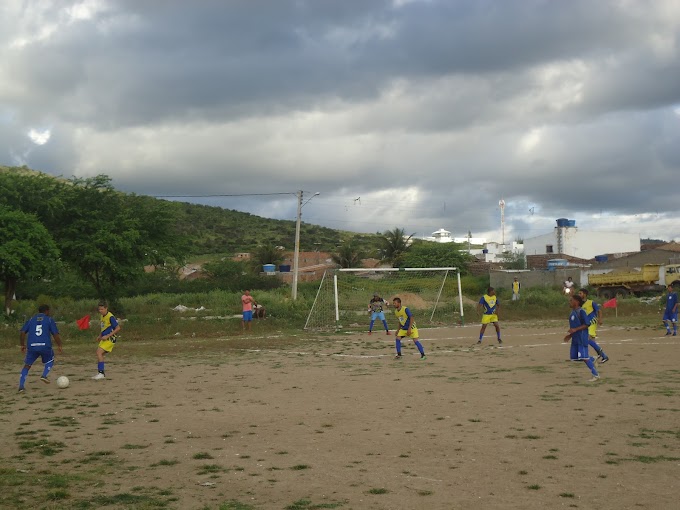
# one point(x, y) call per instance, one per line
point(398, 347)
point(100, 367)
point(22, 379)
point(48, 367)
point(370, 326)
point(590, 362)
point(420, 348)
point(385, 324)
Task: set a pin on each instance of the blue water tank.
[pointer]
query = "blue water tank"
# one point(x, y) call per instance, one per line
point(284, 268)
point(571, 223)
point(269, 268)
point(562, 222)
point(485, 250)
point(601, 258)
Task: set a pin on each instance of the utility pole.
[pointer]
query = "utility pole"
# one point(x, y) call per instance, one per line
point(296, 255)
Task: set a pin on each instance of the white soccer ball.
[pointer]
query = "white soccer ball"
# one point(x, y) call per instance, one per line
point(62, 381)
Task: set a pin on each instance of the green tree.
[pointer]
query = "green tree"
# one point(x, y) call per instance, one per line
point(348, 255)
point(265, 254)
point(109, 238)
point(27, 250)
point(429, 254)
point(393, 246)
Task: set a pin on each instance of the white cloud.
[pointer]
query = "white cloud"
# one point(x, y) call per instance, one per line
point(39, 137)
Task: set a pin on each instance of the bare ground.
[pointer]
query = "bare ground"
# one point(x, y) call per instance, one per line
point(336, 422)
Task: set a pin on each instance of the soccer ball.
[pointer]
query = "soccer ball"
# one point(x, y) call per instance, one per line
point(62, 381)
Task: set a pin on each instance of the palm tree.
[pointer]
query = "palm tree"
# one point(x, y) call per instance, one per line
point(394, 245)
point(265, 254)
point(348, 255)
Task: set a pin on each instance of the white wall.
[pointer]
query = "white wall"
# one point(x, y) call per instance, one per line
point(583, 244)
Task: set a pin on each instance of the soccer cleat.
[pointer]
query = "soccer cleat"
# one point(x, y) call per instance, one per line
point(387, 332)
point(668, 333)
point(594, 378)
point(422, 356)
point(398, 356)
point(45, 380)
point(604, 358)
point(479, 342)
point(370, 332)
point(99, 377)
point(22, 390)
point(500, 341)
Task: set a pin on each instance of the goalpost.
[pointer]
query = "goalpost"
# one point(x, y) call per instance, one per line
point(432, 294)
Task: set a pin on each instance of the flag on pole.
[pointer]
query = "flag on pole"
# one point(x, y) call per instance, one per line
point(609, 304)
point(84, 323)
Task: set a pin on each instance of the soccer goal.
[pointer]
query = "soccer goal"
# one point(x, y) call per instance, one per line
point(432, 294)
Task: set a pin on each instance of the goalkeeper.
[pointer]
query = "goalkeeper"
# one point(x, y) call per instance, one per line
point(375, 309)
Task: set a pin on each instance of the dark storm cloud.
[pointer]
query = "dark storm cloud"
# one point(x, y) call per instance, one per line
point(542, 102)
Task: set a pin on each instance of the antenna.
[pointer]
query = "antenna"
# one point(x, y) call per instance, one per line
point(502, 206)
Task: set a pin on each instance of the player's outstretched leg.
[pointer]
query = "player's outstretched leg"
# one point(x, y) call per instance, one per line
point(602, 357)
point(420, 348)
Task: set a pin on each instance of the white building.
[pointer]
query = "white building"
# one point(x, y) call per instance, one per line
point(444, 236)
point(567, 239)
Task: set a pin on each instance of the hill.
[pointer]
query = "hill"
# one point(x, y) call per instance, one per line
point(214, 230)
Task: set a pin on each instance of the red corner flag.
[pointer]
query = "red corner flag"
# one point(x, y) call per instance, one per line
point(609, 304)
point(84, 323)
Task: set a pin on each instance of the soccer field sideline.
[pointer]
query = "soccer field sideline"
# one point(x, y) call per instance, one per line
point(471, 348)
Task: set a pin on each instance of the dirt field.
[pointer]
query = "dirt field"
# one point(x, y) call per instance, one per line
point(338, 423)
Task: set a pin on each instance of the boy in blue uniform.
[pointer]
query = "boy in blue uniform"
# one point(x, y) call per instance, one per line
point(407, 328)
point(594, 313)
point(578, 333)
point(670, 314)
point(39, 330)
point(490, 303)
point(375, 308)
point(107, 338)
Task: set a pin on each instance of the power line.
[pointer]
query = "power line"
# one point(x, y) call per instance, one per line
point(223, 195)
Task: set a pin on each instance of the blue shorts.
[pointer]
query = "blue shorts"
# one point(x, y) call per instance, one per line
point(47, 355)
point(248, 316)
point(669, 316)
point(378, 315)
point(578, 351)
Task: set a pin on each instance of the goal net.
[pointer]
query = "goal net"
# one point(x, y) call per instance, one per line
point(432, 294)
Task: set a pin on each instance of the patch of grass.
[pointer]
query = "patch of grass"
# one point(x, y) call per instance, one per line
point(165, 463)
point(567, 495)
point(232, 504)
point(306, 504)
point(134, 446)
point(534, 487)
point(378, 491)
point(300, 467)
point(645, 459)
point(202, 455)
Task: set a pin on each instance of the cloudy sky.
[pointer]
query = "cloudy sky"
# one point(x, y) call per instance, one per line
point(418, 114)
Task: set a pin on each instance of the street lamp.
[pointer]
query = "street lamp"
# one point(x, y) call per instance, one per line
point(296, 256)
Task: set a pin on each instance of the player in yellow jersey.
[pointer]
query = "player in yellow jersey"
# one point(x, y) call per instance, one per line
point(107, 337)
point(594, 313)
point(407, 328)
point(516, 286)
point(490, 303)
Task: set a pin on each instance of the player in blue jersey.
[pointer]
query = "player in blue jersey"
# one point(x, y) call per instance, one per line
point(107, 337)
point(407, 328)
point(35, 338)
point(594, 313)
point(375, 308)
point(578, 333)
point(490, 304)
point(670, 314)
